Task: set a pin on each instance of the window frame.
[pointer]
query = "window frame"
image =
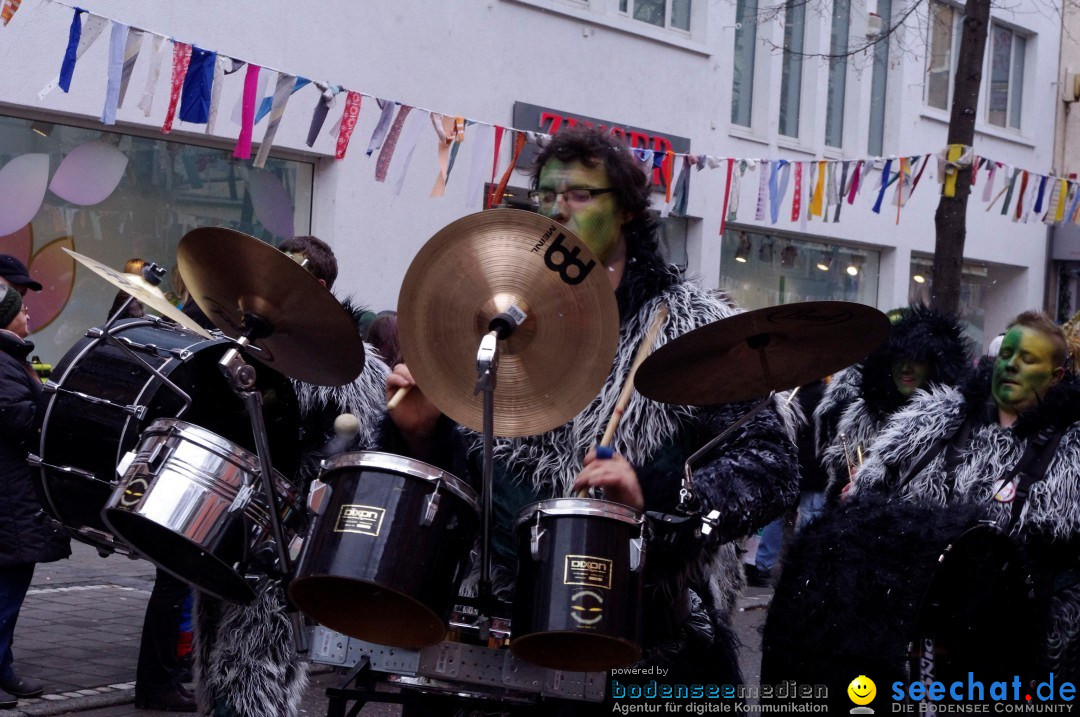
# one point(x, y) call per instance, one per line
point(789, 85)
point(1013, 104)
point(954, 50)
point(837, 69)
point(628, 13)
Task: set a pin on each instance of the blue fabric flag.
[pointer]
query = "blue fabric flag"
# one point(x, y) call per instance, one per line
point(1039, 200)
point(885, 175)
point(68, 67)
point(778, 184)
point(198, 82)
point(268, 102)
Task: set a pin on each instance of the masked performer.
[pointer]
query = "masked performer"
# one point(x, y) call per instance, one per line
point(589, 182)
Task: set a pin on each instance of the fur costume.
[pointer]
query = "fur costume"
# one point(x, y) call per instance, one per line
point(245, 665)
point(750, 479)
point(1048, 527)
point(861, 399)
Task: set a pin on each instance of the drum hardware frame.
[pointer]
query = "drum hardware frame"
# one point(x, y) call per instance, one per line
point(139, 412)
point(487, 364)
point(241, 377)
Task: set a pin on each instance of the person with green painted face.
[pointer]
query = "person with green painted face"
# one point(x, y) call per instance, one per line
point(1009, 441)
point(590, 182)
point(925, 348)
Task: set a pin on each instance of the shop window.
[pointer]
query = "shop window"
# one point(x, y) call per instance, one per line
point(760, 269)
point(975, 281)
point(164, 190)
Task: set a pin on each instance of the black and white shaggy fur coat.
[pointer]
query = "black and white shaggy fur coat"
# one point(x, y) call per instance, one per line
point(1048, 528)
point(750, 479)
point(245, 664)
point(860, 400)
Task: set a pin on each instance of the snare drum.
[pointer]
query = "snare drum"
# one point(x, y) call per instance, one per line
point(388, 549)
point(578, 595)
point(101, 399)
point(182, 505)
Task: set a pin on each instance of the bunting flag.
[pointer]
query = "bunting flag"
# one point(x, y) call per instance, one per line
point(132, 47)
point(778, 188)
point(500, 189)
point(796, 200)
point(444, 130)
point(322, 108)
point(856, 177)
point(181, 59)
point(494, 164)
point(382, 164)
point(727, 195)
point(991, 175)
point(386, 116)
point(459, 136)
point(1039, 198)
point(157, 53)
point(818, 195)
point(679, 193)
point(666, 170)
point(406, 145)
point(267, 103)
point(117, 42)
point(198, 87)
point(902, 177)
point(762, 190)
point(842, 187)
point(1009, 193)
point(223, 66)
point(735, 195)
point(247, 112)
point(8, 11)
point(282, 91)
point(483, 137)
point(886, 175)
point(348, 122)
point(1020, 199)
point(80, 38)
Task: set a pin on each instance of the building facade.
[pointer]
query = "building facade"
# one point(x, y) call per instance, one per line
point(735, 79)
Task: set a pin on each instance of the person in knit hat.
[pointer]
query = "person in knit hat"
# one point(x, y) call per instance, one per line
point(26, 537)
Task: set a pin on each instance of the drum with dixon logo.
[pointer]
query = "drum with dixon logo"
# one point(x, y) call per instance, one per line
point(578, 596)
point(388, 548)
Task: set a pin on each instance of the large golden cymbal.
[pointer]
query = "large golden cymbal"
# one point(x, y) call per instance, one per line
point(150, 295)
point(307, 334)
point(721, 362)
point(553, 364)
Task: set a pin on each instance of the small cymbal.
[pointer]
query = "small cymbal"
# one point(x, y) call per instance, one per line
point(772, 349)
point(301, 330)
point(150, 295)
point(553, 364)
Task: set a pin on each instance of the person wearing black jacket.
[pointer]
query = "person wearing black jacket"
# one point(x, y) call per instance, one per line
point(26, 537)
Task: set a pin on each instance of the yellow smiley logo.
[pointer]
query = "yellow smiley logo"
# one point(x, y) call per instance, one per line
point(862, 690)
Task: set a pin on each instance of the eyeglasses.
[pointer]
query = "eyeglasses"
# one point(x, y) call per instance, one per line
point(575, 197)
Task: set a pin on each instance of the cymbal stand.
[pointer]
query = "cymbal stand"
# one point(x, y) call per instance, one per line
point(241, 377)
point(487, 362)
point(687, 500)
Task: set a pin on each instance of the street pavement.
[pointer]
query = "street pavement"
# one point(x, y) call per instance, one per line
point(80, 626)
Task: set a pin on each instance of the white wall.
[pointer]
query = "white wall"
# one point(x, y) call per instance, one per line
point(476, 58)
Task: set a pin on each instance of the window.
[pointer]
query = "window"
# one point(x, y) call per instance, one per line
point(1006, 77)
point(672, 14)
point(760, 269)
point(838, 46)
point(791, 73)
point(975, 290)
point(944, 41)
point(166, 190)
point(742, 81)
point(879, 80)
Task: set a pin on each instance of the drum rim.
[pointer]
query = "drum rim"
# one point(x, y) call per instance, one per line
point(402, 464)
point(581, 506)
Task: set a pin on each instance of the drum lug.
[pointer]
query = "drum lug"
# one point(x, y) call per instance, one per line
point(318, 494)
point(139, 412)
point(50, 387)
point(535, 535)
point(243, 497)
point(33, 461)
point(637, 554)
point(94, 333)
point(432, 508)
point(125, 463)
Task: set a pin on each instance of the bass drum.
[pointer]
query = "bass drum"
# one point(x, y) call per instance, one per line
point(900, 592)
point(101, 399)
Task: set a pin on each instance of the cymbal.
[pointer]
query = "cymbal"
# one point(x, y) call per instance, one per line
point(483, 264)
point(799, 343)
point(302, 330)
point(134, 285)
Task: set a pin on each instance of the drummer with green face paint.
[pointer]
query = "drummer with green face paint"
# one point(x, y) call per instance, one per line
point(1029, 363)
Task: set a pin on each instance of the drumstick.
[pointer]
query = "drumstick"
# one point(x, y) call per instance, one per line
point(397, 398)
point(644, 349)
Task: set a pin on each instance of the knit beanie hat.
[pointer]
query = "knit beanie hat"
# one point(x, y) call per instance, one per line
point(10, 305)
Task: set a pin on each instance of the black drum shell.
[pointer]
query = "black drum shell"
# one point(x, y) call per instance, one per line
point(92, 438)
point(549, 589)
point(370, 569)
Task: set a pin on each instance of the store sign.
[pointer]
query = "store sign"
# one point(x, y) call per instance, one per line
point(550, 121)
